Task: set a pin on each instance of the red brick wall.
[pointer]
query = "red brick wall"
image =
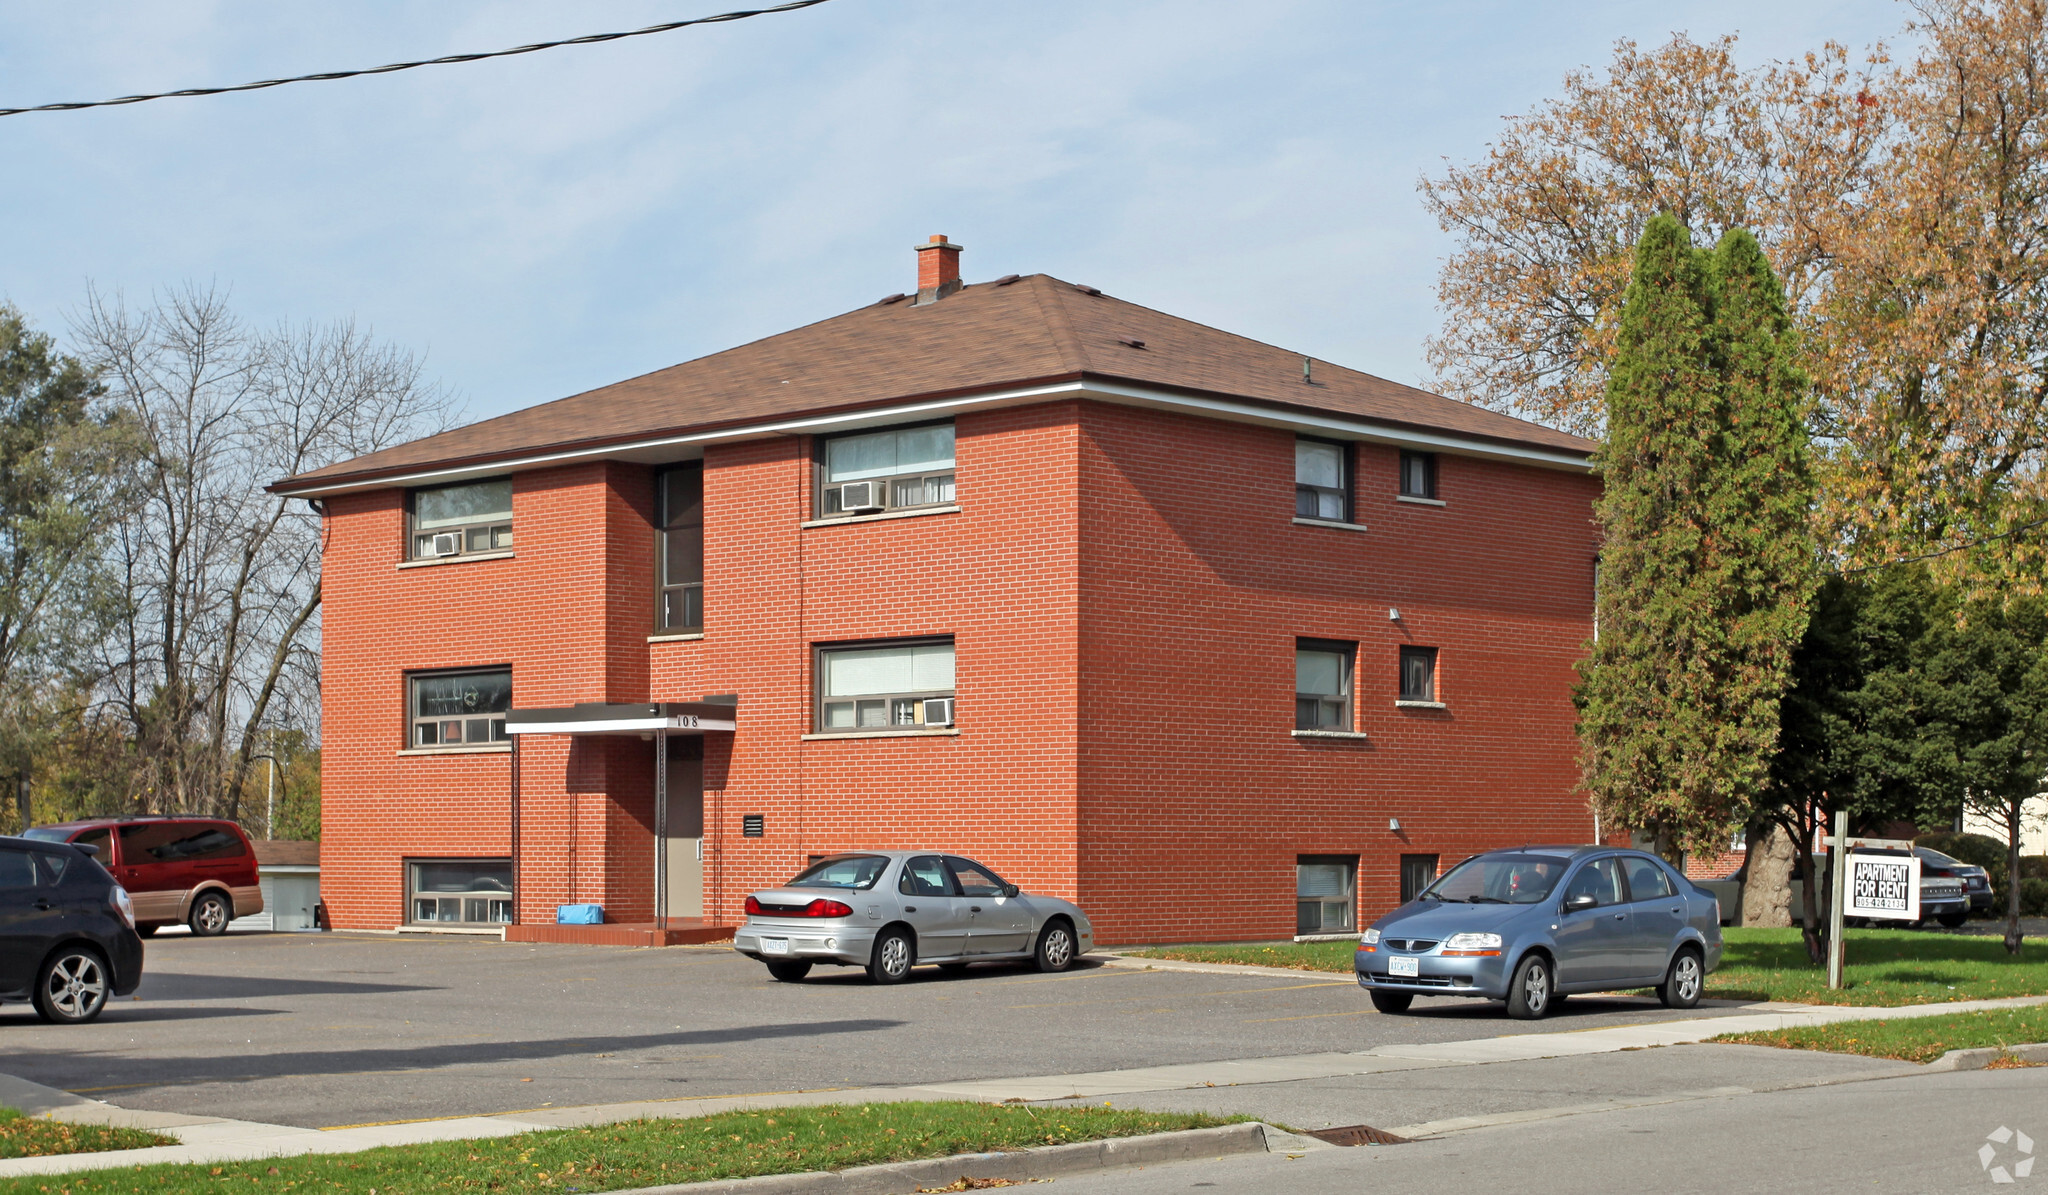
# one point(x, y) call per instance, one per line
point(999, 576)
point(572, 623)
point(1195, 583)
point(1123, 589)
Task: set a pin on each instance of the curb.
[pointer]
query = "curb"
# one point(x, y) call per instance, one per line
point(1978, 1059)
point(1141, 963)
point(1045, 1161)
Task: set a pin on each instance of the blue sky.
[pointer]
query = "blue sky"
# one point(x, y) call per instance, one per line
point(541, 225)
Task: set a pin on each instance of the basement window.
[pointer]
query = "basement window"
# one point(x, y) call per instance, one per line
point(894, 686)
point(1325, 894)
point(458, 891)
point(462, 520)
point(876, 472)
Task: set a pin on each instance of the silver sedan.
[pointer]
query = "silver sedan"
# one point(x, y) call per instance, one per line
point(888, 911)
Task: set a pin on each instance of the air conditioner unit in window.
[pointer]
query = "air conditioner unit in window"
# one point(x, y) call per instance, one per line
point(938, 711)
point(447, 543)
point(860, 497)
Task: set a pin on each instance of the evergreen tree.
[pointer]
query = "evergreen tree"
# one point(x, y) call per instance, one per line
point(1708, 560)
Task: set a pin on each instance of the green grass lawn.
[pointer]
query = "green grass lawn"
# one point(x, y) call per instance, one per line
point(1296, 956)
point(26, 1137)
point(1915, 1039)
point(646, 1152)
point(1885, 966)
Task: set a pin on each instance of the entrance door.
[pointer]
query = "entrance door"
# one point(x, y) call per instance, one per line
point(683, 853)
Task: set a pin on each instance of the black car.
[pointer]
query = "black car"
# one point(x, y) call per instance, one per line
point(67, 931)
point(1975, 880)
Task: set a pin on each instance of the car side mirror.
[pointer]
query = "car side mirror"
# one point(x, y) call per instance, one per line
point(1581, 902)
point(1010, 889)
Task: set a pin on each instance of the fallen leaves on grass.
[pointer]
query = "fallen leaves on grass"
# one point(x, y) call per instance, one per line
point(27, 1137)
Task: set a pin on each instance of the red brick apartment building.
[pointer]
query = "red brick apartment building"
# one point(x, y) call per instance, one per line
point(1218, 641)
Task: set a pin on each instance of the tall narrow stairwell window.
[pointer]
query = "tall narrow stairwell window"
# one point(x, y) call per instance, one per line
point(681, 549)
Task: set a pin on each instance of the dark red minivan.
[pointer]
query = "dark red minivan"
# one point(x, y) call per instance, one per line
point(197, 870)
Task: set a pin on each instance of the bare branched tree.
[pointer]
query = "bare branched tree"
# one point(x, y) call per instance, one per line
point(218, 626)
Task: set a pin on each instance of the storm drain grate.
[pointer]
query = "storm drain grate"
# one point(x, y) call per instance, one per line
point(1358, 1134)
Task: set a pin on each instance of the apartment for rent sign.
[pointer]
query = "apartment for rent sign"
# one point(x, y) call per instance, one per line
point(1886, 886)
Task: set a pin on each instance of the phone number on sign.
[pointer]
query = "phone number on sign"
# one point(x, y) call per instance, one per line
point(1881, 886)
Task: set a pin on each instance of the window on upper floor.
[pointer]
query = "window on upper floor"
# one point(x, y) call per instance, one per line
point(680, 551)
point(906, 685)
point(899, 468)
point(1322, 480)
point(462, 520)
point(1322, 684)
point(1418, 674)
point(1418, 475)
point(459, 709)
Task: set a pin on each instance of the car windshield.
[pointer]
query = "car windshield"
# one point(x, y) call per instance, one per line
point(1930, 855)
point(45, 833)
point(842, 871)
point(1499, 880)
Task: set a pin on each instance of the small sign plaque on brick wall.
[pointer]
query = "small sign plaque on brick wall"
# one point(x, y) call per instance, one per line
point(753, 825)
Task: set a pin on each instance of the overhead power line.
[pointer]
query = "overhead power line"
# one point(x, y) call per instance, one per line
point(326, 76)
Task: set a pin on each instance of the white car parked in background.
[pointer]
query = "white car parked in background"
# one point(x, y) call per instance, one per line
point(888, 911)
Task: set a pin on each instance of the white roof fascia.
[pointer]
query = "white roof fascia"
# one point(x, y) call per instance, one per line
point(620, 726)
point(662, 449)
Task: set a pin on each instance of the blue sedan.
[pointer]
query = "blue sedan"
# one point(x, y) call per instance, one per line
point(1536, 923)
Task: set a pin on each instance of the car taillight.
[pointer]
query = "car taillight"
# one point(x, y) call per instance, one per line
point(827, 908)
point(122, 905)
point(753, 907)
point(1940, 873)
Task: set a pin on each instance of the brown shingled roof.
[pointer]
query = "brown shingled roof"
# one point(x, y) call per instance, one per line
point(990, 336)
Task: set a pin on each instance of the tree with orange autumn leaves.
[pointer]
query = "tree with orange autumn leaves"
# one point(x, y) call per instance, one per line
point(1905, 205)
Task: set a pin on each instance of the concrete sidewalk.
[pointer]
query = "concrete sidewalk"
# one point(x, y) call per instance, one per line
point(1253, 1084)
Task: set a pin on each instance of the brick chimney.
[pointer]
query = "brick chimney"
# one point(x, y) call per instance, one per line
point(938, 270)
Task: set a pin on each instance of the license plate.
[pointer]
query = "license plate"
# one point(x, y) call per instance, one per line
point(775, 946)
point(1404, 966)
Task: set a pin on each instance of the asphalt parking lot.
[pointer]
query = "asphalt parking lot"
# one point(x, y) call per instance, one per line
point(325, 1030)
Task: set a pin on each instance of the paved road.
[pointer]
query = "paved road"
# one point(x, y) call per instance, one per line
point(338, 1029)
point(1404, 1100)
point(1919, 1134)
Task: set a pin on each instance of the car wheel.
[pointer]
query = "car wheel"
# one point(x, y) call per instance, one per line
point(71, 987)
point(1953, 920)
point(1684, 982)
point(1392, 1002)
point(210, 915)
point(1055, 947)
point(1529, 993)
point(790, 970)
point(893, 957)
